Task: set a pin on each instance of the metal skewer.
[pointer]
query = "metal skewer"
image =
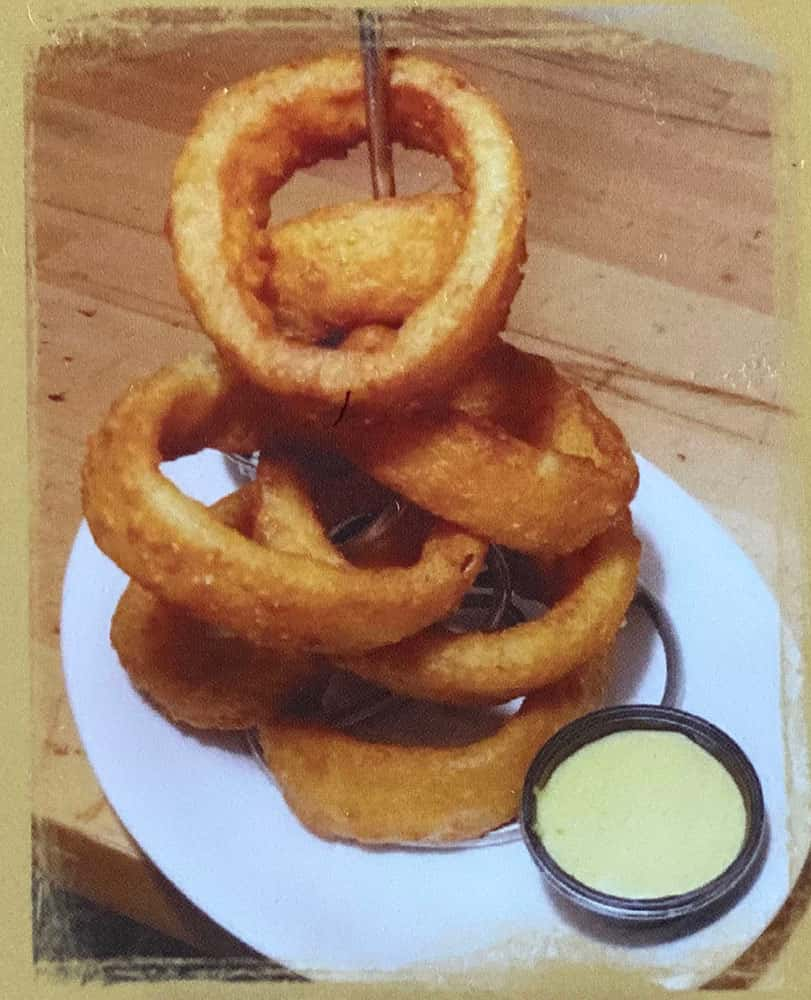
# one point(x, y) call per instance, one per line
point(375, 80)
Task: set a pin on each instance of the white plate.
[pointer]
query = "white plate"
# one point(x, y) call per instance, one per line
point(210, 819)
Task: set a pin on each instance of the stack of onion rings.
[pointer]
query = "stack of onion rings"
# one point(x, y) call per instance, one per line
point(358, 350)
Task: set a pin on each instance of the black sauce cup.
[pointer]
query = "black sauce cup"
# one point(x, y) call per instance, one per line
point(698, 905)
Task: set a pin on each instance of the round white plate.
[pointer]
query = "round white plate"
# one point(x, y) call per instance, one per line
point(212, 821)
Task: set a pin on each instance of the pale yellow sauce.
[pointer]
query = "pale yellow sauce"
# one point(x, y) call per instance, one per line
point(641, 814)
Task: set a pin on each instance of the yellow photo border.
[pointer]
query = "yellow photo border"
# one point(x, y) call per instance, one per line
point(784, 25)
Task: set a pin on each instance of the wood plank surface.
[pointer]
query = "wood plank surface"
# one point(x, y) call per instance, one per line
point(650, 279)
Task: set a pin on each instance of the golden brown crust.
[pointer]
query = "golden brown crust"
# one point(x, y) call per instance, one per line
point(522, 457)
point(370, 330)
point(195, 674)
point(198, 676)
point(362, 263)
point(420, 793)
point(249, 141)
point(489, 668)
point(174, 546)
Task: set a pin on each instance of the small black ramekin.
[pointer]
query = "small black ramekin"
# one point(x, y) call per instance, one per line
point(708, 900)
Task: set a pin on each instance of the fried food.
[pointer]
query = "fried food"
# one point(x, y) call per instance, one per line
point(173, 546)
point(197, 675)
point(361, 263)
point(425, 794)
point(521, 456)
point(311, 502)
point(249, 141)
point(488, 668)
point(194, 674)
point(359, 351)
point(515, 427)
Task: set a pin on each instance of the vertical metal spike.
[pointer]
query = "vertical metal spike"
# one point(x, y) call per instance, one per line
point(375, 76)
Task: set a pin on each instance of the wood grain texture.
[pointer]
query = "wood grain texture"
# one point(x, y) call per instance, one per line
point(650, 280)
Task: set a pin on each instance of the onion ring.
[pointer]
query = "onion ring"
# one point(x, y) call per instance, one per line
point(286, 518)
point(309, 497)
point(196, 675)
point(173, 546)
point(515, 428)
point(389, 312)
point(419, 793)
point(480, 668)
point(362, 263)
point(522, 456)
point(254, 135)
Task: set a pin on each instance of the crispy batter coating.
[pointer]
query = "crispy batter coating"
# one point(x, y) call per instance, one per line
point(360, 263)
point(195, 674)
point(520, 456)
point(479, 668)
point(515, 427)
point(342, 787)
point(249, 141)
point(363, 334)
point(172, 544)
point(198, 676)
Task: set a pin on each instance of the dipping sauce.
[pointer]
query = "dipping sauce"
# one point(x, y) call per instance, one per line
point(641, 814)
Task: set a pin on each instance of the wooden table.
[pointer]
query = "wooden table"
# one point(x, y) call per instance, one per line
point(650, 280)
